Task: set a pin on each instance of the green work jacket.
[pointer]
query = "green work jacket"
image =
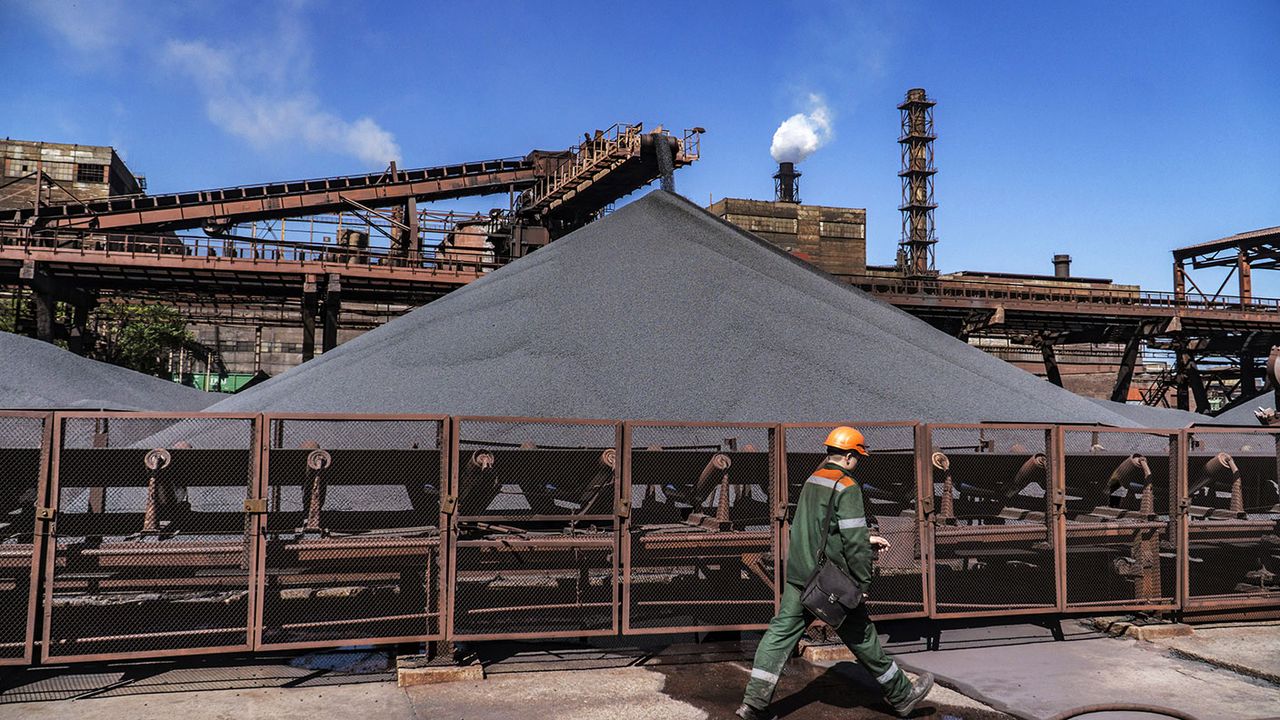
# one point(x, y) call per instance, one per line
point(849, 537)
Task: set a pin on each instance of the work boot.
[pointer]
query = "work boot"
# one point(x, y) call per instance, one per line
point(919, 689)
point(746, 712)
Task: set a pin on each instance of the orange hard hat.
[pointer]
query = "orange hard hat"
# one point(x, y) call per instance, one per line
point(847, 438)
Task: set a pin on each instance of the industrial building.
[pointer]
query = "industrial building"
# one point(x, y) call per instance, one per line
point(283, 271)
point(68, 173)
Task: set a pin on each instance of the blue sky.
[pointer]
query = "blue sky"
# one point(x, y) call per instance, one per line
point(1114, 131)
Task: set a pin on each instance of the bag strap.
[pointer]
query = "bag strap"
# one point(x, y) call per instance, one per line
point(826, 525)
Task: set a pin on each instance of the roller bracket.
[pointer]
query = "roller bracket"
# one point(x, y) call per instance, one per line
point(448, 504)
point(1059, 498)
point(255, 506)
point(622, 508)
point(45, 513)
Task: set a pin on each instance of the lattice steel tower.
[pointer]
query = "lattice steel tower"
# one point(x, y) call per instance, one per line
point(915, 250)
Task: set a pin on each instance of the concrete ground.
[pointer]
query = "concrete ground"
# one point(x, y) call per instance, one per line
point(1018, 669)
point(1025, 671)
point(1247, 648)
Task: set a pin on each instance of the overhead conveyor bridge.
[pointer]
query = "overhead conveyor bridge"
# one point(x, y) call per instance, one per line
point(564, 187)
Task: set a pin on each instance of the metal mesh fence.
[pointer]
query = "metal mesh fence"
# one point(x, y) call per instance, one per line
point(993, 539)
point(353, 544)
point(701, 543)
point(535, 552)
point(889, 488)
point(152, 545)
point(21, 460)
point(1121, 534)
point(1233, 552)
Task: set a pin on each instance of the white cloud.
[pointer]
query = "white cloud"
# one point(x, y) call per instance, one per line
point(250, 92)
point(88, 26)
point(801, 134)
point(254, 87)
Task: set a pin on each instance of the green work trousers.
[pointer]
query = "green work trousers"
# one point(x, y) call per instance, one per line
point(779, 641)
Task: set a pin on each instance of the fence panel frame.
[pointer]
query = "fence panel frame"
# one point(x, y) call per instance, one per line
point(784, 501)
point(455, 438)
point(774, 464)
point(40, 529)
point(1210, 603)
point(260, 529)
point(1177, 518)
point(51, 554)
point(1053, 517)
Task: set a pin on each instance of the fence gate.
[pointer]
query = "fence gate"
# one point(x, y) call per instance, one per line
point(1233, 551)
point(1121, 519)
point(890, 489)
point(701, 545)
point(152, 544)
point(993, 520)
point(352, 550)
point(536, 531)
point(24, 461)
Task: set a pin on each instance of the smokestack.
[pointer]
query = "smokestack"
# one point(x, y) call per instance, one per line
point(915, 250)
point(1062, 266)
point(786, 186)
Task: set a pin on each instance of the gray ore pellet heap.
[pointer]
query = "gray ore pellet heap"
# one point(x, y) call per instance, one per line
point(35, 375)
point(662, 311)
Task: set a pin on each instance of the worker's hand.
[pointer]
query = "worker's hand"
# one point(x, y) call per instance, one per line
point(880, 543)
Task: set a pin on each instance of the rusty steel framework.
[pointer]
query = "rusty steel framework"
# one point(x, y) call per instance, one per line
point(1234, 362)
point(915, 250)
point(1195, 327)
point(148, 535)
point(319, 245)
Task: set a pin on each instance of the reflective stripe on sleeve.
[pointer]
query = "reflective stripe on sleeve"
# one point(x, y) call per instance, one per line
point(828, 483)
point(853, 523)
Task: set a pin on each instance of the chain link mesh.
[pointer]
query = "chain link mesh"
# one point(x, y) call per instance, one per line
point(888, 479)
point(536, 546)
point(1234, 527)
point(353, 543)
point(702, 539)
point(21, 440)
point(993, 539)
point(1121, 534)
point(152, 546)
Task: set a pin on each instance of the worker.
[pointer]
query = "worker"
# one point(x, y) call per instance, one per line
point(850, 546)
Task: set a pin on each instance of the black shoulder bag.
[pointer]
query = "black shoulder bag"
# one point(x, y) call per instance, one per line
point(830, 593)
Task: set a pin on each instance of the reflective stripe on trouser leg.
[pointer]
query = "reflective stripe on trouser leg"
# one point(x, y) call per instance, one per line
point(859, 633)
point(775, 648)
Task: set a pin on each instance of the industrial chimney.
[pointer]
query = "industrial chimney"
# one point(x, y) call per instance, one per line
point(786, 183)
point(1062, 266)
point(915, 250)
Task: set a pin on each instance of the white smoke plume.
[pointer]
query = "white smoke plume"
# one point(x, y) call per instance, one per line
point(801, 134)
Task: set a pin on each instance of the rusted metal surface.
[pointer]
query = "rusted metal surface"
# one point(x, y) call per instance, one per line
point(153, 553)
point(701, 542)
point(283, 199)
point(24, 457)
point(1122, 519)
point(1232, 510)
point(535, 531)
point(993, 540)
point(182, 533)
point(354, 552)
